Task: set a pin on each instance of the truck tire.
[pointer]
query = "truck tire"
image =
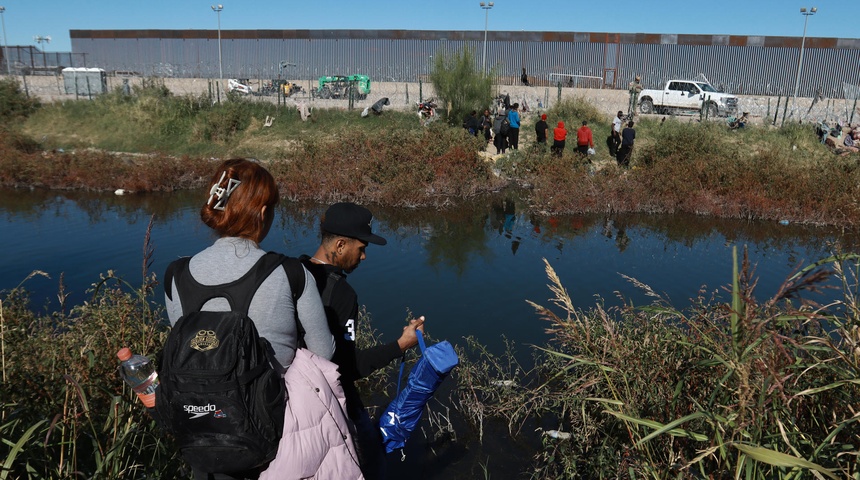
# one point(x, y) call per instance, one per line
point(646, 106)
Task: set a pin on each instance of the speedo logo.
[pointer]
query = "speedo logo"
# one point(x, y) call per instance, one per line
point(197, 411)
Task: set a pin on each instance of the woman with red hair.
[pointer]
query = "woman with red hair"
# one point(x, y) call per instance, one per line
point(240, 209)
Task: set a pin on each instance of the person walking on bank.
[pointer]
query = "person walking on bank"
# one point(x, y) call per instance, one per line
point(584, 139)
point(634, 88)
point(487, 125)
point(541, 128)
point(559, 136)
point(345, 231)
point(241, 209)
point(628, 138)
point(471, 123)
point(500, 138)
point(615, 136)
point(514, 129)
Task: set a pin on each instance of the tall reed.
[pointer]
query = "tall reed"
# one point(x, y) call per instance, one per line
point(757, 390)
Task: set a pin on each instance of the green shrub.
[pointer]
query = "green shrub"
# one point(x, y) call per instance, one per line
point(223, 121)
point(573, 110)
point(14, 104)
point(459, 86)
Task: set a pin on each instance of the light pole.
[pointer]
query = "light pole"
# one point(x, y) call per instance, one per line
point(217, 9)
point(802, 44)
point(5, 43)
point(486, 6)
point(40, 39)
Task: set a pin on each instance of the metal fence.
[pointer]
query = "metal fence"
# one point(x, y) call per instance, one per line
point(740, 64)
point(29, 60)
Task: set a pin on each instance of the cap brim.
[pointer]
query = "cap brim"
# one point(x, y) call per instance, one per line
point(374, 239)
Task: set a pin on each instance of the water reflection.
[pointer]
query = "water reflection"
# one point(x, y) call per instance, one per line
point(469, 268)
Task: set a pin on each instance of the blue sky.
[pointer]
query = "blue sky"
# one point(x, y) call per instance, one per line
point(25, 19)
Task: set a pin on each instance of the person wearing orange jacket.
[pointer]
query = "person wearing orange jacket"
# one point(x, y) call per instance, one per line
point(584, 139)
point(559, 135)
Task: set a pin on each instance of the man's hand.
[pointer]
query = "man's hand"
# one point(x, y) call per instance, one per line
point(409, 338)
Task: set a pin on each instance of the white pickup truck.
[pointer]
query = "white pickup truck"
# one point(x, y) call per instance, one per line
point(687, 95)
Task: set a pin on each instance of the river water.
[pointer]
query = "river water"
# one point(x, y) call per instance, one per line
point(469, 270)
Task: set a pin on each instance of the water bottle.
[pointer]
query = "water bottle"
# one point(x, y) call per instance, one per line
point(139, 373)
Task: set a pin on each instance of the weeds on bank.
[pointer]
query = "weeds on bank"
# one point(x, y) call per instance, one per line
point(745, 389)
point(385, 159)
point(410, 167)
point(703, 168)
point(100, 171)
point(770, 174)
point(65, 411)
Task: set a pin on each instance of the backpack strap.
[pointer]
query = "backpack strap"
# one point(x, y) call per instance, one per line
point(296, 276)
point(238, 293)
point(333, 277)
point(174, 266)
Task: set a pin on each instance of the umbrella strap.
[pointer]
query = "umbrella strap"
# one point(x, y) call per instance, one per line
point(420, 340)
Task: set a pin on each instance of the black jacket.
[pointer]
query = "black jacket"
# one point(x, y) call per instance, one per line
point(341, 308)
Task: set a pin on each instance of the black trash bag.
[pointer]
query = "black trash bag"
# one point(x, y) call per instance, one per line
point(377, 107)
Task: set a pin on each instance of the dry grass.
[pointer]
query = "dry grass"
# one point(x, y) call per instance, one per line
point(738, 390)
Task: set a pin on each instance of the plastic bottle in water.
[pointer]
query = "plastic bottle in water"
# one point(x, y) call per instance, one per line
point(139, 373)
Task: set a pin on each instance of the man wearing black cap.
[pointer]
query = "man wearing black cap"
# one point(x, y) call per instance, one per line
point(345, 231)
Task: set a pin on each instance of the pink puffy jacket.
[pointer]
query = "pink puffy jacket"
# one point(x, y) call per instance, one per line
point(316, 443)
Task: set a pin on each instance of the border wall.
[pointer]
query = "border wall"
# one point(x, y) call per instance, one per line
point(749, 65)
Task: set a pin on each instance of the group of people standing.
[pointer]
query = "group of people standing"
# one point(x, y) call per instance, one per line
point(584, 137)
point(504, 129)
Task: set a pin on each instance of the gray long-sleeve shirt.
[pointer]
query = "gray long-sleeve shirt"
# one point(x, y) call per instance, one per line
point(271, 308)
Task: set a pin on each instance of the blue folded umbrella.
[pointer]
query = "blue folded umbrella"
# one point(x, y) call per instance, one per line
point(403, 413)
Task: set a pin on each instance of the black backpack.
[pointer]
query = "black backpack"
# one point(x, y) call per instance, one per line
point(221, 393)
point(506, 126)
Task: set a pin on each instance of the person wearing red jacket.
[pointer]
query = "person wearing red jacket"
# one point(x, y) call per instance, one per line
point(584, 139)
point(559, 135)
